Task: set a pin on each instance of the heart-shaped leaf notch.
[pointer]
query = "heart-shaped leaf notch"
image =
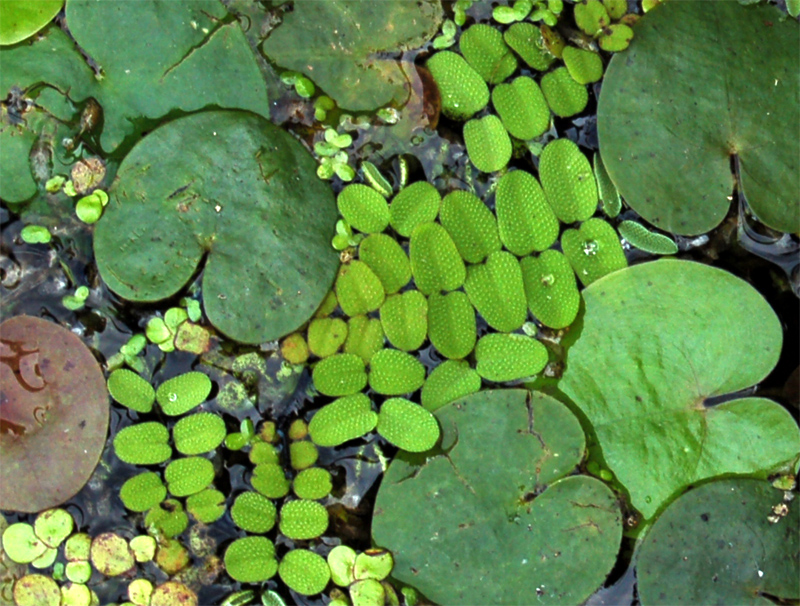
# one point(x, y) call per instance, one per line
point(660, 342)
point(491, 518)
point(234, 191)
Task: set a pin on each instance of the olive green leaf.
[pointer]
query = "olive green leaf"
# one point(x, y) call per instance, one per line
point(143, 444)
point(393, 372)
point(550, 289)
point(415, 204)
point(304, 571)
point(584, 66)
point(253, 512)
point(487, 143)
point(676, 172)
point(167, 519)
point(471, 225)
point(616, 8)
point(522, 108)
point(435, 261)
point(326, 336)
point(20, 19)
point(314, 483)
point(182, 393)
point(21, 544)
point(111, 555)
point(206, 506)
point(302, 519)
point(526, 40)
point(593, 250)
point(564, 96)
point(568, 181)
point(642, 238)
point(498, 508)
point(160, 202)
point(407, 425)
point(364, 208)
point(680, 561)
point(198, 433)
point(496, 290)
point(525, 219)
point(188, 475)
point(463, 91)
point(358, 289)
point(364, 337)
point(616, 37)
point(339, 46)
point(405, 320)
point(509, 357)
point(610, 201)
point(131, 390)
point(344, 419)
point(143, 491)
point(302, 454)
point(270, 480)
point(341, 560)
point(655, 347)
point(451, 324)
point(294, 348)
point(340, 375)
point(251, 560)
point(386, 258)
point(591, 16)
point(484, 49)
point(451, 380)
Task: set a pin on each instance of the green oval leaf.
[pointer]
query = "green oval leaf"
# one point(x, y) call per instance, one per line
point(593, 250)
point(525, 219)
point(358, 289)
point(304, 571)
point(270, 480)
point(340, 375)
point(509, 357)
point(386, 258)
point(564, 96)
point(407, 425)
point(435, 261)
point(610, 200)
point(143, 491)
point(471, 225)
point(451, 380)
point(251, 560)
point(198, 433)
point(487, 143)
point(364, 337)
point(393, 372)
point(314, 483)
point(302, 519)
point(364, 208)
point(550, 289)
point(131, 390)
point(451, 324)
point(484, 49)
point(143, 444)
point(526, 40)
point(405, 320)
point(253, 512)
point(496, 290)
point(418, 203)
point(522, 108)
point(20, 19)
point(182, 393)
point(642, 238)
point(326, 336)
point(344, 419)
point(188, 475)
point(568, 181)
point(584, 66)
point(463, 91)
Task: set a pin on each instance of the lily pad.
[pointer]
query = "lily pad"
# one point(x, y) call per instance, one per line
point(699, 105)
point(20, 19)
point(161, 202)
point(659, 340)
point(344, 419)
point(717, 544)
point(337, 44)
point(471, 225)
point(502, 536)
point(54, 414)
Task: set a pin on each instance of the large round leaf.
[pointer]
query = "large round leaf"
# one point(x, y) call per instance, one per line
point(492, 520)
point(701, 82)
point(20, 19)
point(659, 340)
point(234, 187)
point(53, 414)
point(722, 543)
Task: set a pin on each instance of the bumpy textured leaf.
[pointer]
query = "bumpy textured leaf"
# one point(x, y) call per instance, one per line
point(593, 250)
point(642, 238)
point(451, 324)
point(253, 512)
point(584, 66)
point(407, 425)
point(522, 108)
point(338, 45)
point(550, 289)
point(451, 380)
point(251, 560)
point(364, 208)
point(340, 375)
point(525, 219)
point(20, 19)
point(143, 444)
point(487, 143)
point(496, 290)
point(314, 483)
point(435, 261)
point(54, 414)
point(270, 480)
point(509, 357)
point(495, 508)
point(358, 289)
point(715, 544)
point(484, 49)
point(568, 181)
point(591, 16)
point(527, 42)
point(564, 96)
point(385, 257)
point(182, 393)
point(143, 491)
point(326, 336)
point(198, 433)
point(304, 571)
point(393, 372)
point(471, 224)
point(415, 204)
point(364, 337)
point(188, 475)
point(655, 346)
point(131, 390)
point(675, 171)
point(302, 519)
point(405, 320)
point(258, 284)
point(463, 91)
point(345, 419)
point(610, 201)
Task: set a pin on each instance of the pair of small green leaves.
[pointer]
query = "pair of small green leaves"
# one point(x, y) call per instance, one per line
point(595, 19)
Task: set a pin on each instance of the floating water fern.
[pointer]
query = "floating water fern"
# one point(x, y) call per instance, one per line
point(251, 560)
point(418, 203)
point(525, 219)
point(522, 108)
point(435, 261)
point(358, 289)
point(449, 381)
point(253, 512)
point(564, 96)
point(384, 256)
point(198, 433)
point(584, 66)
point(526, 40)
point(326, 336)
point(131, 390)
point(342, 420)
point(593, 250)
point(188, 475)
point(143, 491)
point(364, 337)
point(471, 225)
point(405, 320)
point(487, 142)
point(363, 208)
point(642, 238)
point(509, 357)
point(484, 49)
point(304, 571)
point(340, 375)
point(568, 181)
point(182, 393)
point(302, 519)
point(464, 92)
point(394, 372)
point(550, 288)
point(451, 324)
point(496, 290)
point(610, 200)
point(407, 425)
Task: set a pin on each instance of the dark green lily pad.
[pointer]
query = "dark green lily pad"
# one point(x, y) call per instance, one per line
point(731, 93)
point(337, 44)
point(162, 201)
point(658, 341)
point(716, 544)
point(54, 414)
point(472, 527)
